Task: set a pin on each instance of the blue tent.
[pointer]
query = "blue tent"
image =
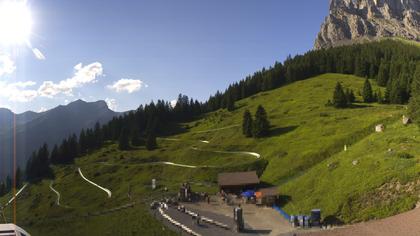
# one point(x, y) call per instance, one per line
point(248, 193)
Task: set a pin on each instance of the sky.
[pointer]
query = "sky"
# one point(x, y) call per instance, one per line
point(130, 52)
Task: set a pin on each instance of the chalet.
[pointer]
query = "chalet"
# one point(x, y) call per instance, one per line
point(267, 196)
point(238, 182)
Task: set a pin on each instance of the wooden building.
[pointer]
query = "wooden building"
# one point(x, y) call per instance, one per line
point(267, 196)
point(238, 182)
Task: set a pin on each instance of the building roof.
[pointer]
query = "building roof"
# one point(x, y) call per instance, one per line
point(238, 178)
point(268, 192)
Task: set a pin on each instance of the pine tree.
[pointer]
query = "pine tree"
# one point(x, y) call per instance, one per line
point(247, 123)
point(261, 124)
point(2, 188)
point(151, 143)
point(135, 138)
point(18, 178)
point(123, 142)
point(98, 135)
point(414, 104)
point(55, 156)
point(367, 92)
point(230, 103)
point(350, 96)
point(339, 98)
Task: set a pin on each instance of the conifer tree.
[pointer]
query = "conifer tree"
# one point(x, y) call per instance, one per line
point(350, 96)
point(247, 124)
point(2, 188)
point(414, 104)
point(230, 103)
point(151, 143)
point(55, 156)
point(135, 138)
point(261, 124)
point(18, 177)
point(123, 142)
point(339, 98)
point(367, 92)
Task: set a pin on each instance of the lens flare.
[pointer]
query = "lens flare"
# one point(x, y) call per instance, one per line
point(15, 22)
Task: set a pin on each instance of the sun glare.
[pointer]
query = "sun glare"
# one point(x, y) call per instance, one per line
point(15, 22)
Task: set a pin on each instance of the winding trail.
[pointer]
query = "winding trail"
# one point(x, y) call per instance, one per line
point(94, 184)
point(213, 130)
point(254, 154)
point(17, 194)
point(58, 195)
point(158, 163)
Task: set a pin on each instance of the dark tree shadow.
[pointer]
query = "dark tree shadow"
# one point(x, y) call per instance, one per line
point(256, 231)
point(358, 106)
point(281, 130)
point(332, 220)
point(283, 200)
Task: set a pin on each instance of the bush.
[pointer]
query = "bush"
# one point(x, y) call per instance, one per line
point(405, 155)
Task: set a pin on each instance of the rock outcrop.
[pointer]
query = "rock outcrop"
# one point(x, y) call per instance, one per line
point(357, 20)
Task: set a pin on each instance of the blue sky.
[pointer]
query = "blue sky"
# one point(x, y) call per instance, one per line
point(130, 52)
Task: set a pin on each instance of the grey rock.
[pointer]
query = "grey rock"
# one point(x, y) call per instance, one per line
point(352, 21)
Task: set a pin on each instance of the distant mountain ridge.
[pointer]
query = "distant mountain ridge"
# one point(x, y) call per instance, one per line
point(355, 20)
point(51, 127)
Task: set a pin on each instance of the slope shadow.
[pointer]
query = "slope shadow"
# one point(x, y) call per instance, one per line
point(256, 231)
point(282, 130)
point(332, 220)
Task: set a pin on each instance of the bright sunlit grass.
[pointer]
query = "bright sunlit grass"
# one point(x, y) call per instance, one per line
point(15, 22)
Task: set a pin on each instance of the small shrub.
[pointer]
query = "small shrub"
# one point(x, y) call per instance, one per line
point(405, 155)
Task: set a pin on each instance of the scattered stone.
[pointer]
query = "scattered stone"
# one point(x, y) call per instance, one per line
point(380, 128)
point(355, 162)
point(406, 120)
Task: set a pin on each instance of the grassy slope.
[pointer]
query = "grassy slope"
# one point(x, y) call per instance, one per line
point(304, 134)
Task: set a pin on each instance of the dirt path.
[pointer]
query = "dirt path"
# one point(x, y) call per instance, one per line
point(17, 194)
point(213, 130)
point(407, 224)
point(94, 184)
point(58, 195)
point(254, 154)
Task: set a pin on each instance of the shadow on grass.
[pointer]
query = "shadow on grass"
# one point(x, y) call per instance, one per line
point(281, 130)
point(332, 220)
point(358, 106)
point(256, 231)
point(283, 200)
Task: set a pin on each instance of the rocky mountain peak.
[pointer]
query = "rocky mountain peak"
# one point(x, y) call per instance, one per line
point(353, 20)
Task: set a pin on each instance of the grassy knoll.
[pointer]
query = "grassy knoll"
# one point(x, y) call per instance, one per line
point(306, 136)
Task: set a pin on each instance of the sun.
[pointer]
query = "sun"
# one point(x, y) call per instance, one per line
point(15, 22)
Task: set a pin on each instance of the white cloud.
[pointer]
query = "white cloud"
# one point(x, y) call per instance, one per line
point(42, 109)
point(18, 92)
point(112, 103)
point(7, 65)
point(173, 103)
point(38, 54)
point(127, 85)
point(83, 75)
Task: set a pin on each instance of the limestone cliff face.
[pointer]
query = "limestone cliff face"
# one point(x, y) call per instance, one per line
point(355, 20)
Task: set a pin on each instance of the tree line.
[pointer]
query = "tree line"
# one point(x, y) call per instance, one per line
point(388, 62)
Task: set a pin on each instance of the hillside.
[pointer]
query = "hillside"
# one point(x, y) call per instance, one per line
point(76, 116)
point(306, 142)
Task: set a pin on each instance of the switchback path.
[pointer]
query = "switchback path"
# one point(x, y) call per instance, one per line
point(254, 154)
point(94, 184)
point(58, 195)
point(213, 130)
point(17, 194)
point(159, 163)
